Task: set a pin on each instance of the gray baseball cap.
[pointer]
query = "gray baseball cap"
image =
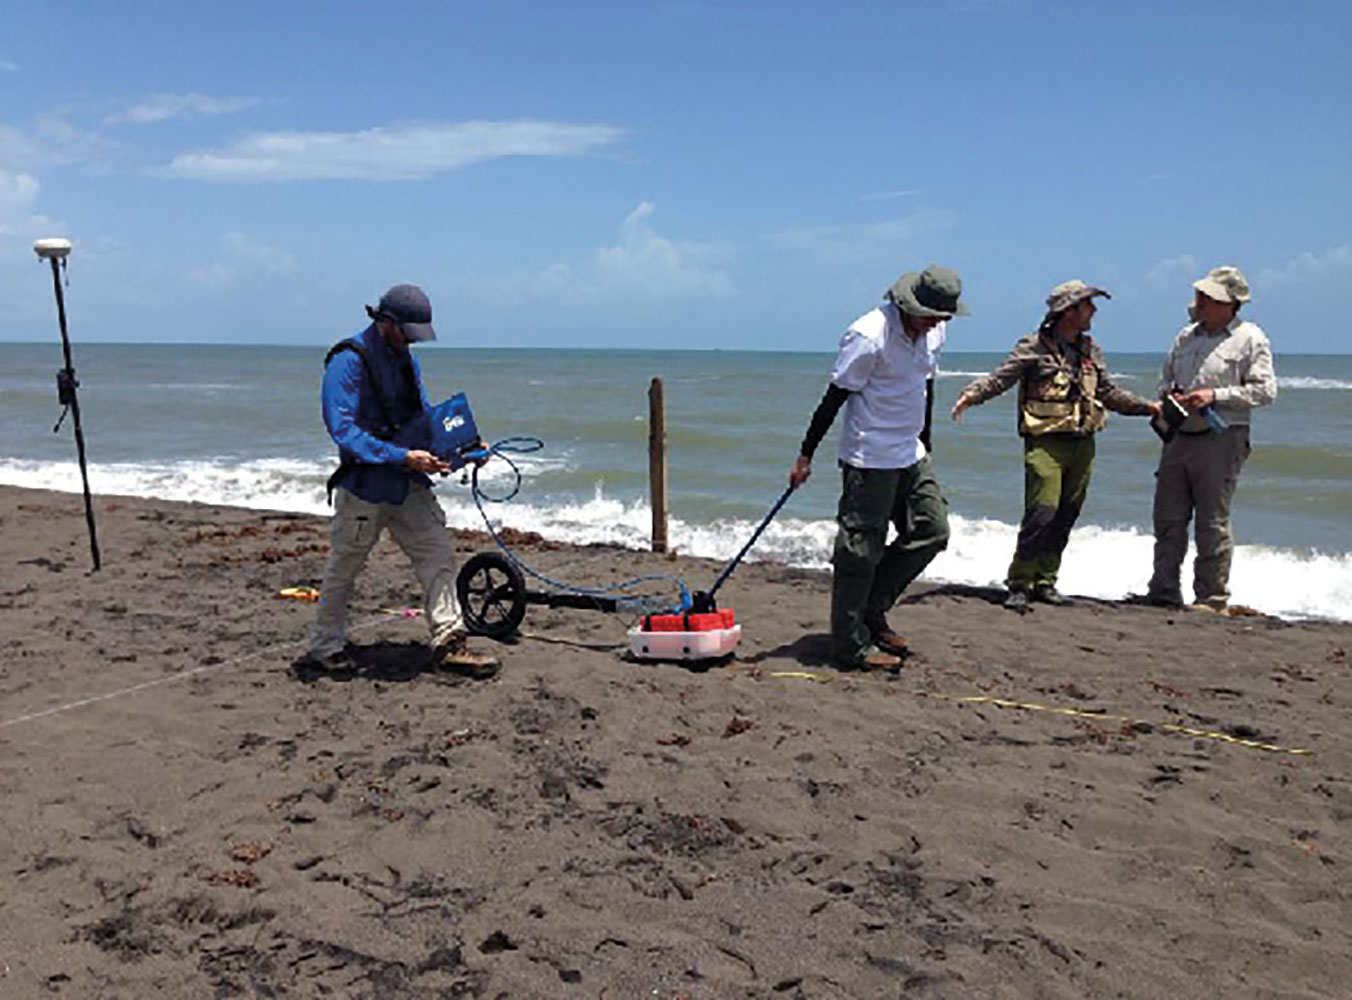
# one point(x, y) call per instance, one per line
point(409, 306)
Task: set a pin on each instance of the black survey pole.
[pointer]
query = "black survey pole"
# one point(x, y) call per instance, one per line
point(66, 384)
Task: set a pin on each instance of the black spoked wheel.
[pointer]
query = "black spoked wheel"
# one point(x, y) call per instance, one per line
point(492, 594)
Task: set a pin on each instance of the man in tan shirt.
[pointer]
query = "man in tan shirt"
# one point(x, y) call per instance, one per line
point(1219, 369)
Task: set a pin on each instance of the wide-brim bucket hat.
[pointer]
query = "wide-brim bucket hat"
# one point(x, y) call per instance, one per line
point(931, 292)
point(1224, 284)
point(1068, 293)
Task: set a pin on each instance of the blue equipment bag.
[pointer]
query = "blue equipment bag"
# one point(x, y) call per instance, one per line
point(454, 434)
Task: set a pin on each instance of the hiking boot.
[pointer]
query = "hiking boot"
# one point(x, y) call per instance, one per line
point(333, 663)
point(1208, 606)
point(454, 655)
point(869, 660)
point(1153, 600)
point(1050, 595)
point(885, 639)
point(1017, 600)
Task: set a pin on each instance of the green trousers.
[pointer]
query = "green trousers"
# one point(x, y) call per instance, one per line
point(870, 574)
point(1056, 474)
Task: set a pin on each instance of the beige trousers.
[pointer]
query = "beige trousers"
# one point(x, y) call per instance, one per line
point(418, 525)
point(1196, 479)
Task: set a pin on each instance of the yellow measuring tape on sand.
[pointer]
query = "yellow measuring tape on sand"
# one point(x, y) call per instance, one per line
point(1030, 706)
point(1168, 727)
point(311, 594)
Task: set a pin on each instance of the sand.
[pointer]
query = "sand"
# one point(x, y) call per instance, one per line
point(188, 815)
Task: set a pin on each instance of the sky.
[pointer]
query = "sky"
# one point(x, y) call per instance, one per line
point(685, 174)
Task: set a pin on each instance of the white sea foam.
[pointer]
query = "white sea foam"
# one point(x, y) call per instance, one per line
point(1306, 382)
point(1102, 562)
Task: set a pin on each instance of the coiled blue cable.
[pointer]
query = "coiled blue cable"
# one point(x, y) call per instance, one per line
point(642, 603)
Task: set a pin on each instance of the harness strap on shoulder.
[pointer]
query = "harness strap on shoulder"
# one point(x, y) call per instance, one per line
point(389, 428)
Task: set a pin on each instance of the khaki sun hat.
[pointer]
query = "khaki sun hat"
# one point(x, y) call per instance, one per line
point(1224, 284)
point(932, 292)
point(1066, 294)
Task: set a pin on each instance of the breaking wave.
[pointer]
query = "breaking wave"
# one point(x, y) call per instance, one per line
point(1101, 562)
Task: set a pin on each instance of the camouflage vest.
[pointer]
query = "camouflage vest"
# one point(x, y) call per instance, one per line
point(1059, 396)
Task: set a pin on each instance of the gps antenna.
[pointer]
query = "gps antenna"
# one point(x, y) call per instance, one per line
point(56, 251)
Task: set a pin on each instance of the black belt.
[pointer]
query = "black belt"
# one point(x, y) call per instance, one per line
point(1230, 427)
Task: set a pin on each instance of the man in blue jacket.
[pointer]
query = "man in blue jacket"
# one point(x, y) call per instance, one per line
point(374, 408)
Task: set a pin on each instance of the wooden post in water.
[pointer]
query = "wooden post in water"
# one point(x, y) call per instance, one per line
point(657, 464)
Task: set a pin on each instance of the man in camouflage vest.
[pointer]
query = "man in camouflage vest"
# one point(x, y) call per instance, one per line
point(1064, 394)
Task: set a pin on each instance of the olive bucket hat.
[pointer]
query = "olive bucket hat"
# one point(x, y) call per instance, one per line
point(1066, 294)
point(931, 292)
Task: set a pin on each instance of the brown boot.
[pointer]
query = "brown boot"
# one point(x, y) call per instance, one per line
point(454, 654)
point(887, 640)
point(870, 660)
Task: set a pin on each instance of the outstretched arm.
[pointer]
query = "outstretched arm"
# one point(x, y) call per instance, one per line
point(1117, 399)
point(1006, 373)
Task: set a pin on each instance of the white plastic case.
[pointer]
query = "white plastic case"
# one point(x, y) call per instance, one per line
point(684, 645)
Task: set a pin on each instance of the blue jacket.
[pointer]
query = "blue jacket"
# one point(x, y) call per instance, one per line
point(353, 416)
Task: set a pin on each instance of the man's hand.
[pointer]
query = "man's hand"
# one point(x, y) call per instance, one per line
point(1156, 408)
point(1198, 398)
point(480, 454)
point(963, 402)
point(802, 469)
point(424, 461)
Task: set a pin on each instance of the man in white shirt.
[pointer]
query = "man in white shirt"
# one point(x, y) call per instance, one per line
point(884, 377)
point(1219, 369)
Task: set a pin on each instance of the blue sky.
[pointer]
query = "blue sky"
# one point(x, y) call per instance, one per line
point(682, 174)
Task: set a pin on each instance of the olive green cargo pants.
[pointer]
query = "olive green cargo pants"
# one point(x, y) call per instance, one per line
point(870, 574)
point(1056, 473)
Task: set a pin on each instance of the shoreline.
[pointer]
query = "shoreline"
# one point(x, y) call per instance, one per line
point(970, 545)
point(587, 825)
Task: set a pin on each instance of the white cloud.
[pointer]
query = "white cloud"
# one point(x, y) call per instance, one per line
point(8, 67)
point(1173, 269)
point(19, 149)
point(888, 195)
point(243, 260)
point(403, 153)
point(861, 238)
point(643, 266)
point(52, 140)
point(1309, 267)
point(18, 196)
point(160, 107)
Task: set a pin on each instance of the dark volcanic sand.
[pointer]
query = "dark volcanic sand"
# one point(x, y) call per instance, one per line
point(586, 826)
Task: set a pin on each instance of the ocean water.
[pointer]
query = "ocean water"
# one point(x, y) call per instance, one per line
point(240, 425)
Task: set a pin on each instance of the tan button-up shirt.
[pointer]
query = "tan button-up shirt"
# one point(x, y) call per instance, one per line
point(1235, 362)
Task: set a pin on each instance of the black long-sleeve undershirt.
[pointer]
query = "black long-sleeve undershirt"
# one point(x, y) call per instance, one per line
point(834, 398)
point(823, 417)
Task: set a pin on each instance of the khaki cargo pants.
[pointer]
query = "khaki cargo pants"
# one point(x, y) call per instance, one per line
point(1197, 475)
point(418, 525)
point(870, 574)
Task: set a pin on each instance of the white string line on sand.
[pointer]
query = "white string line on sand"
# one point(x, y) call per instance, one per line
point(144, 685)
